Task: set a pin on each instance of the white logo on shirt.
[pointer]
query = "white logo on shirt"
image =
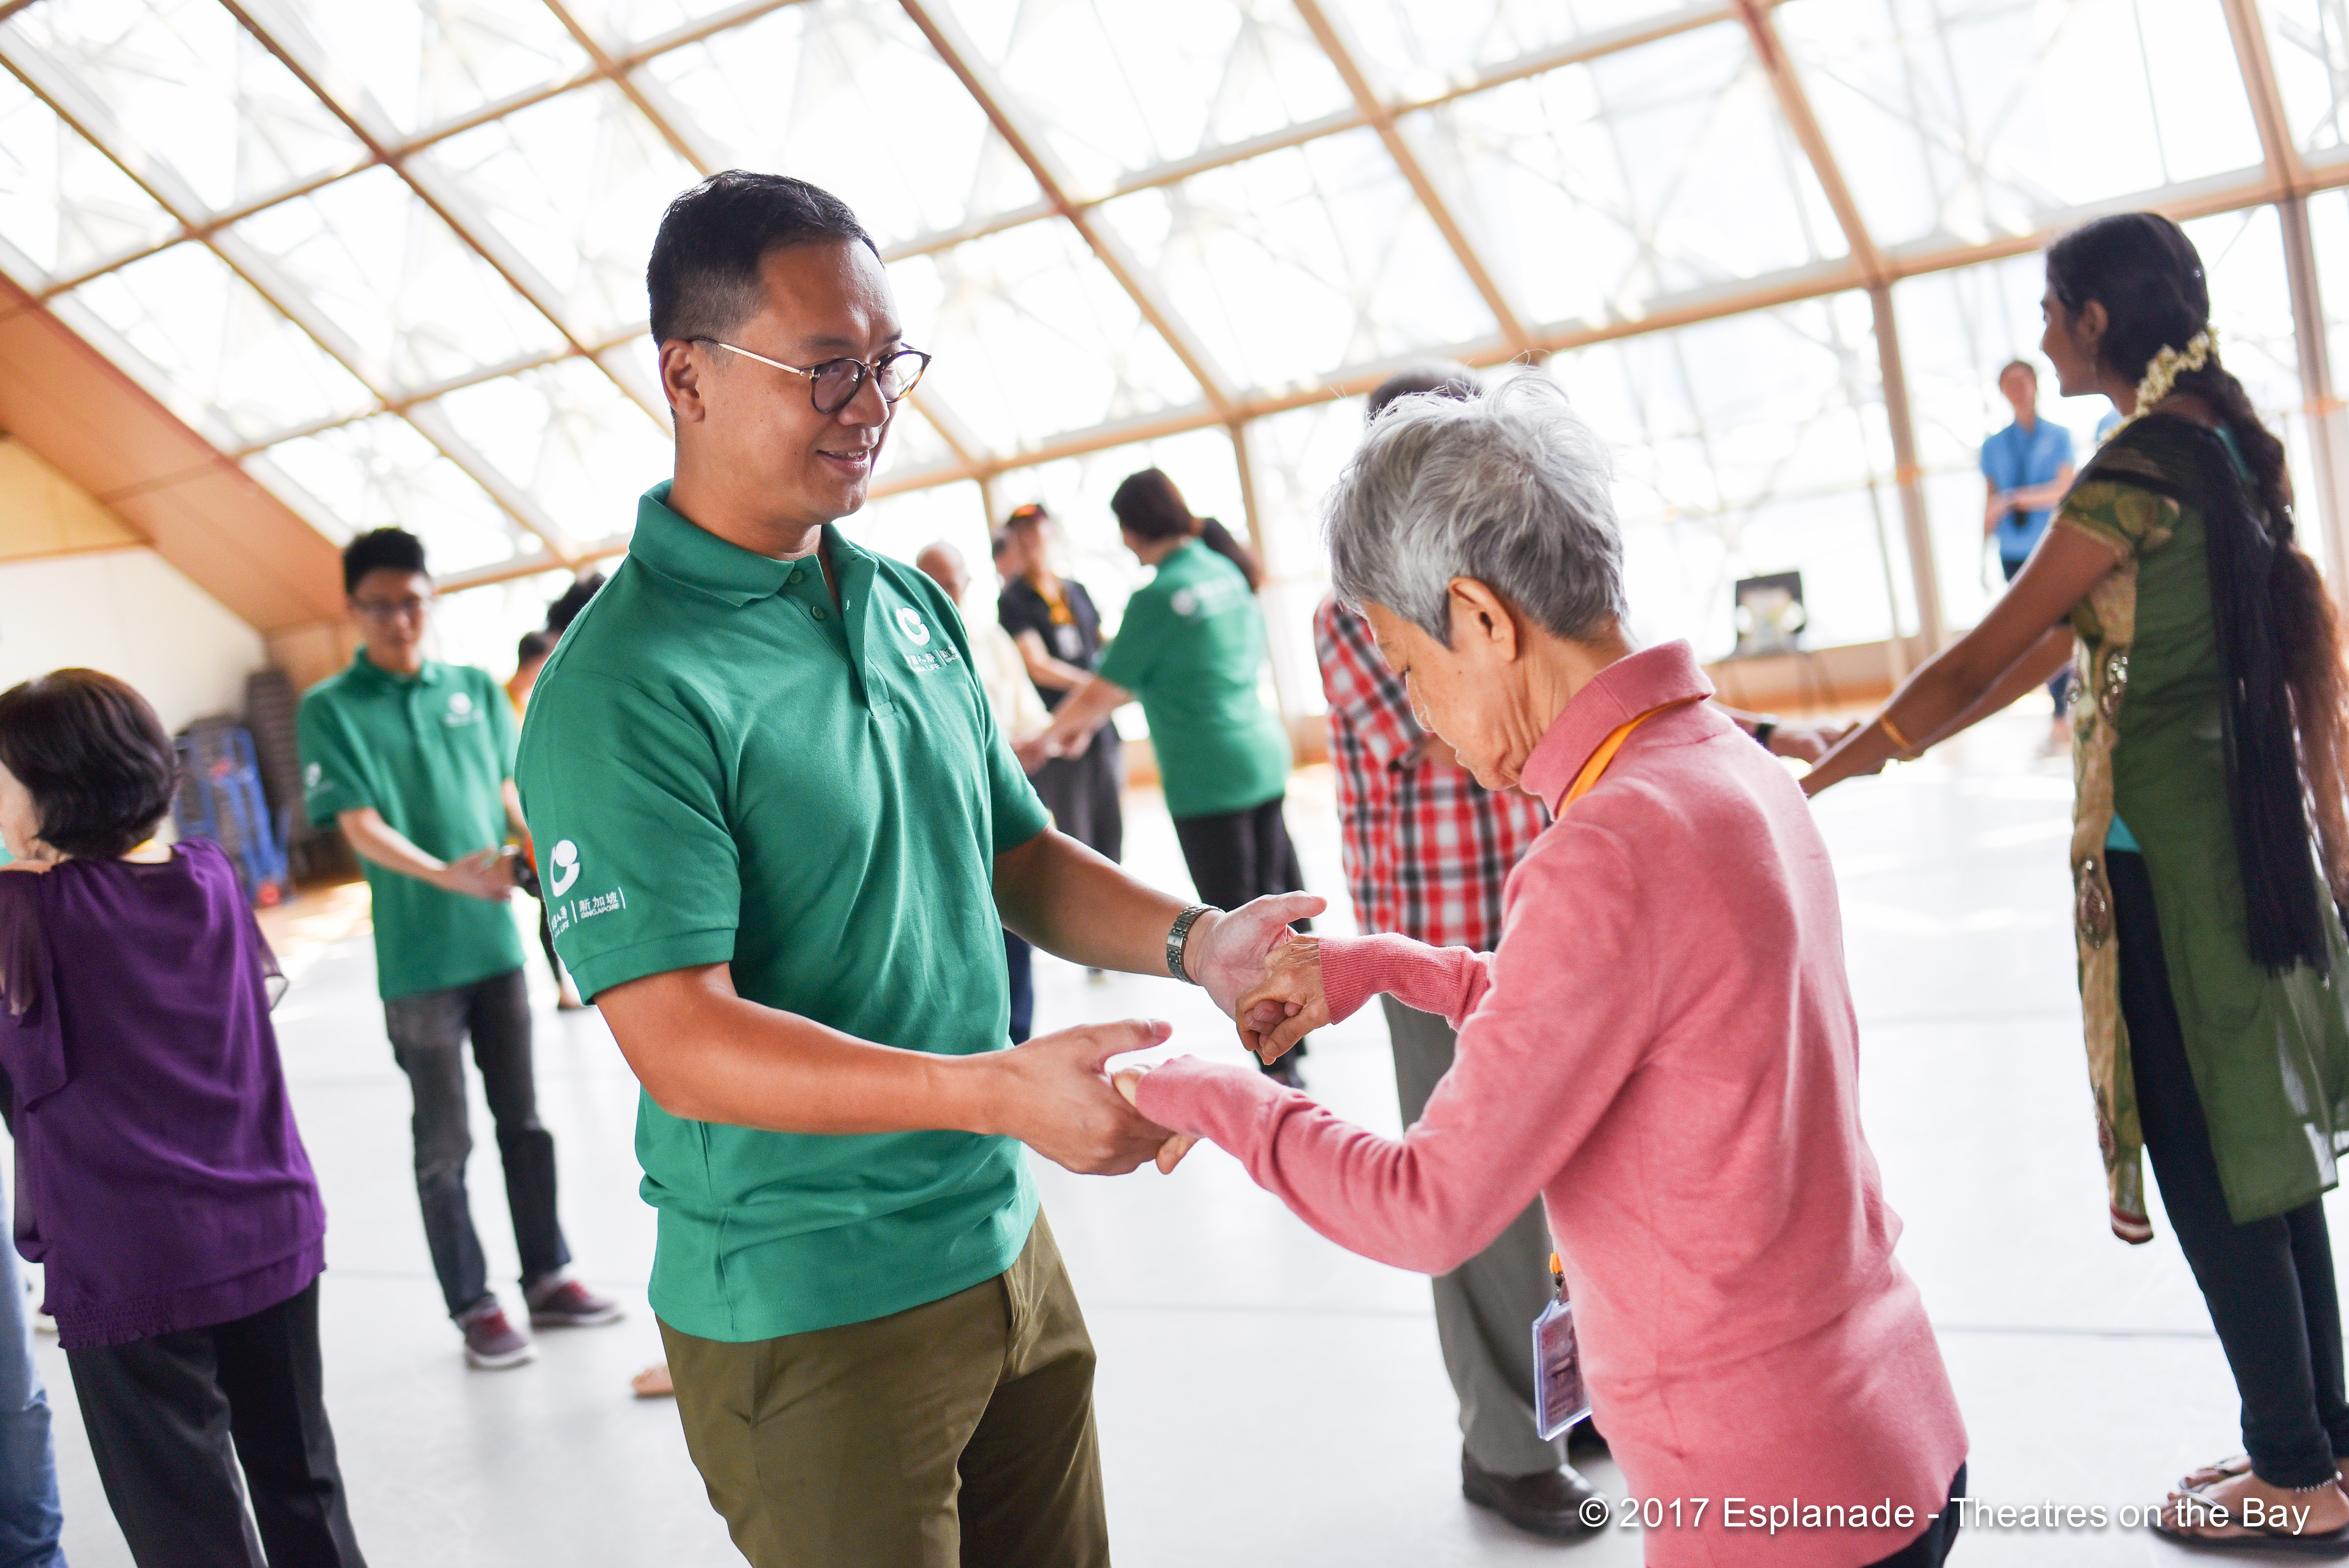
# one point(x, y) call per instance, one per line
point(911, 626)
point(313, 775)
point(461, 710)
point(567, 866)
point(1184, 602)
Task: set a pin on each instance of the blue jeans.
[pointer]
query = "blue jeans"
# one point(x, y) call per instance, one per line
point(29, 1520)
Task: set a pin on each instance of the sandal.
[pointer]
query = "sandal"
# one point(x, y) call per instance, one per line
point(2235, 1537)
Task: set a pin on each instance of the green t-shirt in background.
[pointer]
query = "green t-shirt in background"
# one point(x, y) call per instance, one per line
point(1190, 647)
point(431, 752)
point(722, 765)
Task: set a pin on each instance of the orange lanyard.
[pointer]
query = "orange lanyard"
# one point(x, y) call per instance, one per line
point(1589, 777)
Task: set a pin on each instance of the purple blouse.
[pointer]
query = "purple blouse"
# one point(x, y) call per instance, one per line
point(160, 1176)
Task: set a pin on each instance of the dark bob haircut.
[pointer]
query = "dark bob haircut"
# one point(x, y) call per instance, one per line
point(95, 758)
point(703, 277)
point(378, 549)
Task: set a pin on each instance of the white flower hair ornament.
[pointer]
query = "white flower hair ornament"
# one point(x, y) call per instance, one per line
point(2169, 365)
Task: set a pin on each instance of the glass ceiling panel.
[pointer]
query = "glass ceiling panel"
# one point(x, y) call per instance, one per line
point(192, 91)
point(636, 366)
point(1298, 455)
point(1958, 330)
point(1598, 188)
point(64, 205)
point(577, 184)
point(1746, 446)
point(415, 303)
point(2308, 42)
point(913, 444)
point(1417, 49)
point(624, 23)
point(849, 94)
point(902, 526)
point(1295, 263)
point(1116, 87)
point(1968, 123)
point(200, 339)
point(380, 472)
point(567, 437)
point(427, 62)
point(1033, 336)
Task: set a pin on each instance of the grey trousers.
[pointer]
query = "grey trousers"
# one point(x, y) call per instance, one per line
point(1484, 1309)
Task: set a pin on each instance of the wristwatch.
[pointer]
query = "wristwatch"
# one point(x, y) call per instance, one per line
point(1179, 936)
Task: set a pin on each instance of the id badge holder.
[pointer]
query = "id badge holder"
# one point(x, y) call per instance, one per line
point(1559, 1398)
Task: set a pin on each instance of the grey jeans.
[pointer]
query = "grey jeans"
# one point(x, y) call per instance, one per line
point(1484, 1309)
point(427, 1039)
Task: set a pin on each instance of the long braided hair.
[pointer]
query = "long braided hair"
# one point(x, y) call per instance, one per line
point(2286, 708)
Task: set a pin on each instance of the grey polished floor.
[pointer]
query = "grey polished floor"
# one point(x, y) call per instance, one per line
point(1266, 1399)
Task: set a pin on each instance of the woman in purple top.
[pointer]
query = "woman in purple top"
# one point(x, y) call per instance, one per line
point(160, 1177)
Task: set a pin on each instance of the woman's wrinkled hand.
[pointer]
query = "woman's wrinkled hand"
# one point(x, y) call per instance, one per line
point(1286, 1002)
point(1171, 1152)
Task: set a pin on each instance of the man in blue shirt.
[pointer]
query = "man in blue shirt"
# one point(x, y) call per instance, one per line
point(2029, 467)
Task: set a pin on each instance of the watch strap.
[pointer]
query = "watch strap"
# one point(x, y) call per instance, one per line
point(1179, 936)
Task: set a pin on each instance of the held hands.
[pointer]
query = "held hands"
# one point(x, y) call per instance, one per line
point(484, 874)
point(1057, 1101)
point(1178, 1144)
point(1227, 952)
point(1286, 1002)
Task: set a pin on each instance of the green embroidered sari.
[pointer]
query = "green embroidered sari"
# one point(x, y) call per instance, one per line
point(2270, 1053)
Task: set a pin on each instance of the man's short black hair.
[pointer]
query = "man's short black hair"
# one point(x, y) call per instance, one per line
point(704, 273)
point(395, 548)
point(94, 757)
point(565, 609)
point(535, 644)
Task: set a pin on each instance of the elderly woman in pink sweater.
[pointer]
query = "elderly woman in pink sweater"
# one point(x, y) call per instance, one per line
point(1663, 1045)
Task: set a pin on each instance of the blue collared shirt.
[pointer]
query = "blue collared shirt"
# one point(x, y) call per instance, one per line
point(2017, 459)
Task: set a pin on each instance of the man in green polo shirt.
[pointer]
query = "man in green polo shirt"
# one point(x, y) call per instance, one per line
point(781, 833)
point(413, 759)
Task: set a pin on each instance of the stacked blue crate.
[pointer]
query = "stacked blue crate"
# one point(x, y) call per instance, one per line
point(221, 799)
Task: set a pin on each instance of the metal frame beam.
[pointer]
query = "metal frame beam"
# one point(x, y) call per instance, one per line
point(1029, 149)
point(1381, 118)
point(2328, 427)
point(602, 66)
point(2199, 199)
point(94, 126)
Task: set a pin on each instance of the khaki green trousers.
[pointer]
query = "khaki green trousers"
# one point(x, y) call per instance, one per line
point(956, 1434)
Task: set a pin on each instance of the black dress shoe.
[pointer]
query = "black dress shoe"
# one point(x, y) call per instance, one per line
point(1548, 1502)
point(1584, 1440)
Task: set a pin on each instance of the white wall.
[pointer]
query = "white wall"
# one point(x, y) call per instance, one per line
point(130, 614)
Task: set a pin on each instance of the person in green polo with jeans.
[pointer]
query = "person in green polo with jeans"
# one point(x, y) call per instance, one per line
point(1190, 646)
point(412, 759)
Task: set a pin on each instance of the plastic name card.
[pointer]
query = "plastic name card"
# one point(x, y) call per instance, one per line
point(1559, 1400)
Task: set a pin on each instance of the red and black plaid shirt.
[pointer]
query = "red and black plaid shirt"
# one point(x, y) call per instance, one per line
point(1427, 846)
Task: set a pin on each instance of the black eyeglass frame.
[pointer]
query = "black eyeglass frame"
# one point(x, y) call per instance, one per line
point(864, 373)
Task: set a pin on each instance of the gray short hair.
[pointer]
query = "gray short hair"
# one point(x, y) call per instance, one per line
point(1509, 488)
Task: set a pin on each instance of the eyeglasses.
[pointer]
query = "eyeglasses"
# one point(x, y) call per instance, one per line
point(390, 609)
point(834, 384)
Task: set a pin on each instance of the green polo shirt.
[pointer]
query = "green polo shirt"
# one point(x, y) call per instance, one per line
point(721, 765)
point(1189, 647)
point(431, 752)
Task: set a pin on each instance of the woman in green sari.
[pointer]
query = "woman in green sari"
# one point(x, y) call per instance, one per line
point(2209, 849)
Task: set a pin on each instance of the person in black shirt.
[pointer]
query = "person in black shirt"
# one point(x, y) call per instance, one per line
point(1059, 633)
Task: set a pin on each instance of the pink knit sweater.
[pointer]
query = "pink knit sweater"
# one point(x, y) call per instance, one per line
point(1664, 1047)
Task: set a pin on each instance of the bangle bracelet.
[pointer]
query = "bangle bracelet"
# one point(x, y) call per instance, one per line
point(1908, 748)
point(1178, 937)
